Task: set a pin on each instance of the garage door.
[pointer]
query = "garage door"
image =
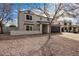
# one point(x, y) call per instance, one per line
point(55, 29)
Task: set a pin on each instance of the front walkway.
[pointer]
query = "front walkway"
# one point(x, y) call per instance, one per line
point(74, 36)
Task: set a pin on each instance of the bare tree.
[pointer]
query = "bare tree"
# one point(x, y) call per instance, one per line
point(55, 15)
point(59, 10)
point(5, 14)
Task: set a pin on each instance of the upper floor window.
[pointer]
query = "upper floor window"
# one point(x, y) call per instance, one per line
point(28, 17)
point(40, 18)
point(65, 23)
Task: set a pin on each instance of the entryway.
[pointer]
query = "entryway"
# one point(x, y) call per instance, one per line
point(0, 29)
point(44, 28)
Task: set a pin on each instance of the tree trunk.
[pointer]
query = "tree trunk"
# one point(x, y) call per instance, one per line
point(1, 29)
point(49, 37)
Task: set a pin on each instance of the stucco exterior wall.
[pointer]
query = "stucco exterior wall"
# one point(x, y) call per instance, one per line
point(21, 21)
point(36, 18)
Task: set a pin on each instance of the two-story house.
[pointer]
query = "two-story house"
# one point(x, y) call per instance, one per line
point(31, 23)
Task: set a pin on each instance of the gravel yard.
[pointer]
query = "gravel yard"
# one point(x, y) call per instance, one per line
point(22, 45)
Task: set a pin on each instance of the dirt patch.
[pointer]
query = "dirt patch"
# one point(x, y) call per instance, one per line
point(29, 45)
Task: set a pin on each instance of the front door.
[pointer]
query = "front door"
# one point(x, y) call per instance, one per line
point(44, 28)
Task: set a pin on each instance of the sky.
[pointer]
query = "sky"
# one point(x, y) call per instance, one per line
point(26, 6)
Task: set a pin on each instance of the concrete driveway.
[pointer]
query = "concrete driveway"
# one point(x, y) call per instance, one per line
point(74, 36)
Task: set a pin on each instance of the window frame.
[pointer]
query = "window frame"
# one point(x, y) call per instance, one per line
point(30, 27)
point(65, 24)
point(28, 17)
point(40, 18)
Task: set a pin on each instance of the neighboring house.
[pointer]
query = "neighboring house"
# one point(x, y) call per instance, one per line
point(68, 27)
point(5, 29)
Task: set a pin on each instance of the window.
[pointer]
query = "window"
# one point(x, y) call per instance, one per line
point(65, 28)
point(28, 17)
point(40, 18)
point(29, 28)
point(70, 23)
point(70, 28)
point(65, 23)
